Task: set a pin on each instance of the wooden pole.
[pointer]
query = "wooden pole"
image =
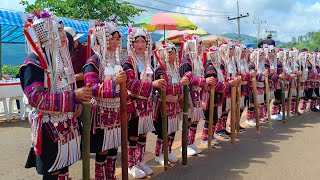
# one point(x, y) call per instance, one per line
point(298, 94)
point(283, 101)
point(233, 113)
point(86, 140)
point(185, 125)
point(238, 113)
point(290, 97)
point(164, 127)
point(124, 130)
point(266, 80)
point(256, 108)
point(211, 113)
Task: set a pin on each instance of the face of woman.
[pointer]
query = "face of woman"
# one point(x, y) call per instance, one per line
point(140, 45)
point(271, 55)
point(172, 56)
point(231, 52)
point(114, 42)
point(243, 54)
point(261, 57)
point(63, 37)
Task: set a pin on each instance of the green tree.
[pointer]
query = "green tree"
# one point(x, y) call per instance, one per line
point(87, 9)
point(10, 69)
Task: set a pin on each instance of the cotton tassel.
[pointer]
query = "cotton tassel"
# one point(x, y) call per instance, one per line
point(260, 99)
point(119, 136)
point(286, 94)
point(150, 123)
point(113, 138)
point(146, 124)
point(73, 152)
point(242, 101)
point(106, 140)
point(109, 141)
point(173, 124)
point(219, 111)
point(228, 104)
point(302, 93)
point(65, 153)
point(141, 124)
point(294, 92)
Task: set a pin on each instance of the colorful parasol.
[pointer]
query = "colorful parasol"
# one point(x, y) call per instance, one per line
point(165, 21)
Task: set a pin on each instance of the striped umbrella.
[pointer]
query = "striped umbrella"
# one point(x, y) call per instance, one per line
point(165, 21)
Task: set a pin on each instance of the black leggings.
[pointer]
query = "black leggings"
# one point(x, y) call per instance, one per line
point(206, 117)
point(133, 127)
point(308, 94)
point(158, 127)
point(316, 91)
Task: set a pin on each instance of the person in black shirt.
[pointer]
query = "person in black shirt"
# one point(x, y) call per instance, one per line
point(268, 41)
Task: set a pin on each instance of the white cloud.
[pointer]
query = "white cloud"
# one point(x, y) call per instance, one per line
point(288, 17)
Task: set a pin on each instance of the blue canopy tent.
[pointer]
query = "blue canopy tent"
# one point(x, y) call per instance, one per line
point(12, 26)
point(251, 45)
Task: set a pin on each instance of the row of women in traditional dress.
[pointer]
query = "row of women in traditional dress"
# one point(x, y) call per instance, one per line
point(47, 78)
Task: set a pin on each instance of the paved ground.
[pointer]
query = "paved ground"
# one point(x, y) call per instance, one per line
point(288, 151)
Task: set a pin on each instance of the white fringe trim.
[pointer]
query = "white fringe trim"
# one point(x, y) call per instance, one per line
point(242, 101)
point(145, 124)
point(112, 138)
point(219, 111)
point(228, 104)
point(68, 153)
point(196, 114)
point(173, 123)
point(260, 99)
point(286, 94)
point(294, 92)
point(302, 93)
point(271, 95)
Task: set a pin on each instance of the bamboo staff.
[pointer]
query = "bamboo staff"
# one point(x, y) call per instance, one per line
point(290, 97)
point(124, 130)
point(86, 140)
point(233, 113)
point(255, 97)
point(164, 126)
point(298, 95)
point(283, 101)
point(185, 125)
point(238, 113)
point(266, 79)
point(211, 113)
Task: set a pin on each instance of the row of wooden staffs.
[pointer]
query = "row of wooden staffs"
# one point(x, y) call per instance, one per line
point(235, 121)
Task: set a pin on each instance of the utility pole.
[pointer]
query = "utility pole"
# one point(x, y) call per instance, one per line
point(259, 23)
point(239, 16)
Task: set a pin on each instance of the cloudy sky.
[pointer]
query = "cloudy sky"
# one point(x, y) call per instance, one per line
point(288, 17)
